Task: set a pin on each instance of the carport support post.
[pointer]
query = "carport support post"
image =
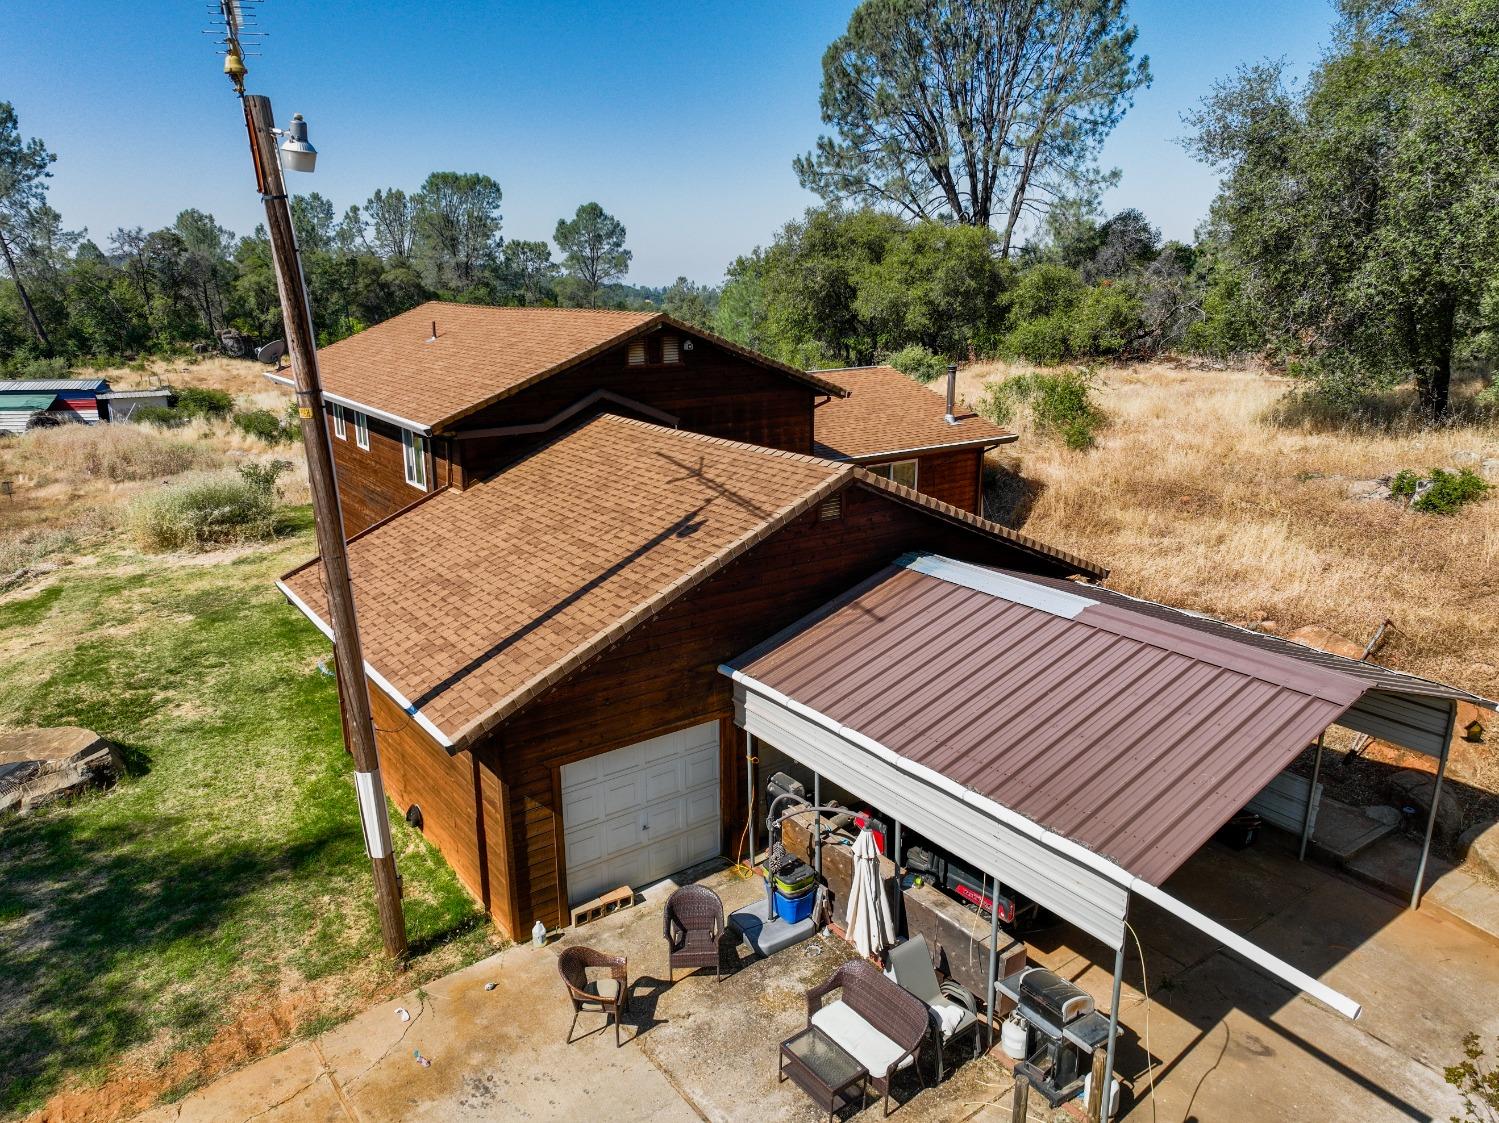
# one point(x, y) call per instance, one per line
point(817, 823)
point(1101, 1097)
point(993, 952)
point(900, 892)
point(749, 786)
point(1436, 799)
point(1311, 797)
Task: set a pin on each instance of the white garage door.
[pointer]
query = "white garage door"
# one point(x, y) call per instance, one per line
point(633, 816)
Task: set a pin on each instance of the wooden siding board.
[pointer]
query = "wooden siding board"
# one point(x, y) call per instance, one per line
point(372, 482)
point(664, 675)
point(712, 391)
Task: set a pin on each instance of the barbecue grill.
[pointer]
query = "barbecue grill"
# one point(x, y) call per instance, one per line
point(1066, 1030)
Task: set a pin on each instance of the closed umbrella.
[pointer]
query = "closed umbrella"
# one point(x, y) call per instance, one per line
point(868, 920)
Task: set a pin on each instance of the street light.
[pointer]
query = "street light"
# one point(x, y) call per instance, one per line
point(296, 154)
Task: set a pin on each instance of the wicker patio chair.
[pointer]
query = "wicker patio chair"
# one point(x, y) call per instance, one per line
point(881, 1025)
point(693, 926)
point(609, 996)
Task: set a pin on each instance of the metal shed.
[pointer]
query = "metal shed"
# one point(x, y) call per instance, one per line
point(1074, 743)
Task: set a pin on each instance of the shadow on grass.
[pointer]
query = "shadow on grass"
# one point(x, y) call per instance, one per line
point(1009, 497)
point(93, 904)
point(1390, 413)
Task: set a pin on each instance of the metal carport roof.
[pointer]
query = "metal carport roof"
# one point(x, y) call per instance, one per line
point(1076, 744)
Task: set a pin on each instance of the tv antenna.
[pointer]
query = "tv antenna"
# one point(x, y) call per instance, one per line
point(241, 25)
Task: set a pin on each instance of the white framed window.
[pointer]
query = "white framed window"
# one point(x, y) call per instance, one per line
point(901, 472)
point(340, 422)
point(414, 448)
point(361, 430)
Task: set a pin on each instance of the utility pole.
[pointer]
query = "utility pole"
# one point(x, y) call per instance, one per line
point(296, 314)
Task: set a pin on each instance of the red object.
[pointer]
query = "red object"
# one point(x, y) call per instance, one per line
point(985, 902)
point(864, 820)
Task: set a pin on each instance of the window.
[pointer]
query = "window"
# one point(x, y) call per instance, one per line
point(414, 447)
point(671, 349)
point(340, 423)
point(902, 472)
point(361, 430)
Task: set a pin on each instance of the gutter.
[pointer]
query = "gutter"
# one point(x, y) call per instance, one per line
point(973, 442)
point(393, 418)
point(1297, 979)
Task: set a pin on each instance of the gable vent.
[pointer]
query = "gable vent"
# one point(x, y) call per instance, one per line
point(671, 349)
point(637, 352)
point(831, 509)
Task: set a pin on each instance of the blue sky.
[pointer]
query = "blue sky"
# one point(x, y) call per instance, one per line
point(681, 120)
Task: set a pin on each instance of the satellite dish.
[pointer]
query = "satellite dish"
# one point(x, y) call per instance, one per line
point(272, 352)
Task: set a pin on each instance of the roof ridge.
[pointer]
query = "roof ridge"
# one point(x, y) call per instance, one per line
point(729, 442)
point(527, 308)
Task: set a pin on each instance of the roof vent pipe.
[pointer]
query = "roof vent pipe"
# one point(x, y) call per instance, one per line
point(434, 332)
point(952, 393)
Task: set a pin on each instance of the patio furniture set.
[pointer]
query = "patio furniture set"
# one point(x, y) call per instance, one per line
point(879, 1024)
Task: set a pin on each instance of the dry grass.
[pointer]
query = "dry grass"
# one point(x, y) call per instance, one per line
point(1194, 497)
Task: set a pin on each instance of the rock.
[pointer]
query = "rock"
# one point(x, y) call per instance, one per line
point(1481, 845)
point(1490, 467)
point(1412, 788)
point(41, 766)
point(1465, 456)
point(1368, 489)
point(1325, 639)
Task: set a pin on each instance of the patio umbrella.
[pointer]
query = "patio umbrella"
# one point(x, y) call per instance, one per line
point(868, 921)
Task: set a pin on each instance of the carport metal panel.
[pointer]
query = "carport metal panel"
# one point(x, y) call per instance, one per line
point(970, 825)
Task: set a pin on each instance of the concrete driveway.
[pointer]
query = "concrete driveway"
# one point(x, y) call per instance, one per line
point(698, 1049)
point(1227, 1043)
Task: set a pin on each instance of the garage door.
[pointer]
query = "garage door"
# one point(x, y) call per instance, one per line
point(637, 814)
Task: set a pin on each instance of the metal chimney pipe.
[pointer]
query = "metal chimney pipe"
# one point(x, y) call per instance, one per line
point(952, 393)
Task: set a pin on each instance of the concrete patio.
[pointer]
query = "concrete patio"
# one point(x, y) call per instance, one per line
point(1228, 1042)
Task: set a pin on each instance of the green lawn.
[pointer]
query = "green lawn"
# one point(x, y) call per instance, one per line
point(228, 866)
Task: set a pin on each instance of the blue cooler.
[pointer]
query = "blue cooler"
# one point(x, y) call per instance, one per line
point(798, 907)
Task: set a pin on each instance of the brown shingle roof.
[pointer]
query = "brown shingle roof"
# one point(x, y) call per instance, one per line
point(481, 355)
point(886, 413)
point(470, 603)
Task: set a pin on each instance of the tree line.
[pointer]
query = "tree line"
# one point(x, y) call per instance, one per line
point(66, 298)
point(1354, 240)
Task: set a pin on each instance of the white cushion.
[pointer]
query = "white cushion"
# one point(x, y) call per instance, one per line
point(858, 1038)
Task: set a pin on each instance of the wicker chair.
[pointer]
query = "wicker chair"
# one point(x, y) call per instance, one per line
point(693, 926)
point(881, 1025)
point(609, 996)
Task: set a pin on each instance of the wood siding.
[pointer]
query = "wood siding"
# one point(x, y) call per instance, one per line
point(463, 803)
point(952, 477)
point(372, 482)
point(710, 391)
point(664, 675)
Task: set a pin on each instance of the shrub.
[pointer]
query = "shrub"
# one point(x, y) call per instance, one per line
point(263, 424)
point(198, 402)
point(211, 510)
point(107, 452)
point(917, 362)
point(1046, 339)
point(163, 417)
point(1061, 405)
point(1106, 320)
point(1440, 493)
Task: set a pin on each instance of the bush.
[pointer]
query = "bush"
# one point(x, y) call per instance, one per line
point(211, 510)
point(918, 363)
point(264, 425)
point(107, 452)
point(163, 417)
point(198, 402)
point(1440, 493)
point(1061, 405)
point(1106, 320)
point(1046, 339)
